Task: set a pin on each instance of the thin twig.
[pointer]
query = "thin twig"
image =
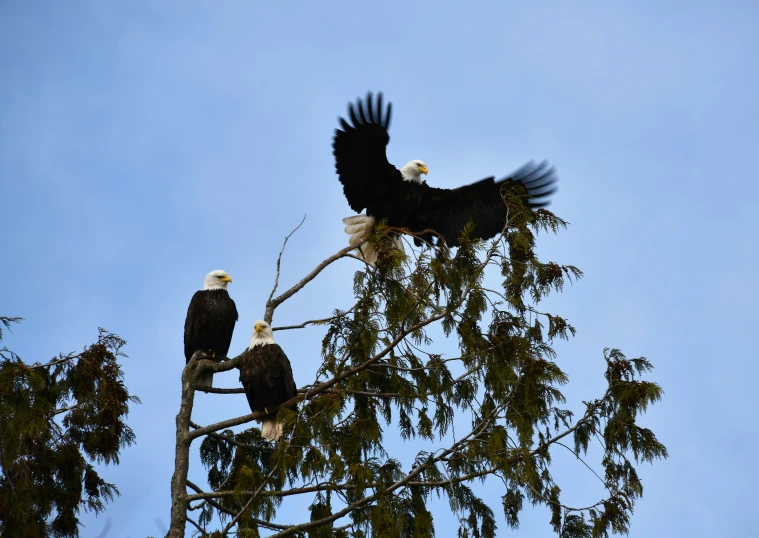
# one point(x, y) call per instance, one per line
point(279, 259)
point(208, 497)
point(56, 362)
point(310, 322)
point(196, 525)
point(63, 410)
point(272, 304)
point(244, 508)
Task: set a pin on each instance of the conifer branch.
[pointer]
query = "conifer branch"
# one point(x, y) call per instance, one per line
point(208, 497)
point(404, 482)
point(326, 486)
point(247, 505)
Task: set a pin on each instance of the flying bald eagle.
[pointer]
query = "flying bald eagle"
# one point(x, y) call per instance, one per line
point(267, 377)
point(210, 321)
point(401, 196)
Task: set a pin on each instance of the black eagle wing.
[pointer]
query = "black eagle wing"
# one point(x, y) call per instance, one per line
point(447, 211)
point(195, 324)
point(280, 373)
point(360, 154)
point(210, 323)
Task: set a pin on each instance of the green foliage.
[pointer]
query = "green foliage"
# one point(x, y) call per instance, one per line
point(56, 420)
point(381, 373)
point(7, 321)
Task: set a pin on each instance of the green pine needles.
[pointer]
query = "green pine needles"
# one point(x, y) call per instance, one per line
point(56, 420)
point(388, 381)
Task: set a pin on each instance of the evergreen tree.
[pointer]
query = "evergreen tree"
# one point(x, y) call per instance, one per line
point(382, 374)
point(56, 420)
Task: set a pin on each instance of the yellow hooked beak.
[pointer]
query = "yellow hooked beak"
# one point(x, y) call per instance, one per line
point(423, 169)
point(259, 327)
point(226, 278)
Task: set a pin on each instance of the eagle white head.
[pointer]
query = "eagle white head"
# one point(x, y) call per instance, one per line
point(217, 280)
point(413, 170)
point(262, 334)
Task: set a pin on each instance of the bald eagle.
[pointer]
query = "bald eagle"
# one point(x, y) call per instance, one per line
point(401, 196)
point(210, 321)
point(267, 377)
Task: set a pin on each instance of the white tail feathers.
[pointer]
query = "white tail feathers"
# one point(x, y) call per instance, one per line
point(359, 228)
point(271, 429)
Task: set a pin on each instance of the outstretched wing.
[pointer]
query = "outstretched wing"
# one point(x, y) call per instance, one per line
point(447, 211)
point(361, 158)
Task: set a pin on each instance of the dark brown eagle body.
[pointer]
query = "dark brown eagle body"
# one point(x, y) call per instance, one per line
point(210, 322)
point(267, 377)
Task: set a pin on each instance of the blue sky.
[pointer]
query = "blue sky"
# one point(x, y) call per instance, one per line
point(145, 144)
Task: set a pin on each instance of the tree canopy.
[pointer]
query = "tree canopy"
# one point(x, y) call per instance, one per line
point(58, 419)
point(494, 410)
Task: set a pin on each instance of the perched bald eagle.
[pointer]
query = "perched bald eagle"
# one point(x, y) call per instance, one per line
point(370, 182)
point(267, 377)
point(210, 321)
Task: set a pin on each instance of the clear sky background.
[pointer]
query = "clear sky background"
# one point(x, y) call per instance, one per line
point(143, 144)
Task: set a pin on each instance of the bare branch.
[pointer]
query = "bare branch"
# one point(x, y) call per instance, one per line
point(262, 446)
point(272, 304)
point(244, 419)
point(54, 362)
point(209, 498)
point(279, 260)
point(310, 322)
point(63, 410)
point(214, 390)
point(196, 525)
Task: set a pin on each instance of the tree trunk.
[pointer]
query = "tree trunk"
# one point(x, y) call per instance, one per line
point(182, 458)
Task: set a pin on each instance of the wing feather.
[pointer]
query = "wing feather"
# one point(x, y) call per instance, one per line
point(448, 211)
point(367, 176)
